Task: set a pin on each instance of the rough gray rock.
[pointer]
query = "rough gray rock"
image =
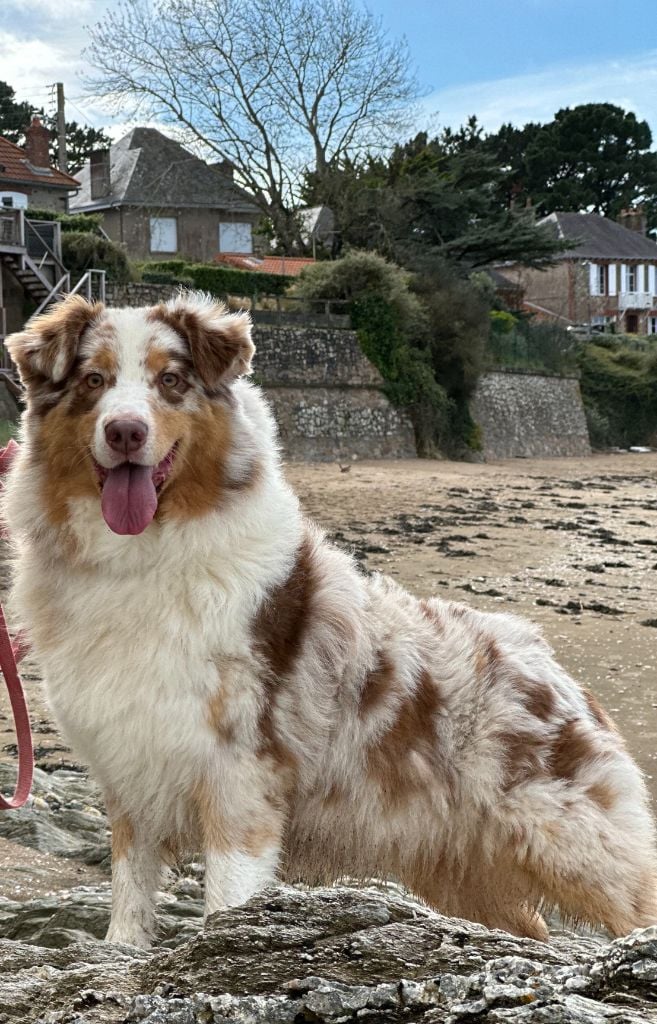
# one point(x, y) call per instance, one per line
point(332, 955)
point(63, 816)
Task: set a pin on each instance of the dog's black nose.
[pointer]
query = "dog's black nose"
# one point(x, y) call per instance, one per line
point(126, 436)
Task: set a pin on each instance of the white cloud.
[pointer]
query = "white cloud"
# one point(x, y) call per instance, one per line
point(630, 83)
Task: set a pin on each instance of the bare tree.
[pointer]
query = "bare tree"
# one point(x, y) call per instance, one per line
point(272, 86)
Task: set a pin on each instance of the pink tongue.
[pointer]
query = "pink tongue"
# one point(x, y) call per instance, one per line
point(129, 500)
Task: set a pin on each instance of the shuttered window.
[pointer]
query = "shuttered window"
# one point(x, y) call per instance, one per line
point(164, 234)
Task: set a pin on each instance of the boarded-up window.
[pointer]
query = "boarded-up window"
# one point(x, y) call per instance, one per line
point(235, 236)
point(164, 234)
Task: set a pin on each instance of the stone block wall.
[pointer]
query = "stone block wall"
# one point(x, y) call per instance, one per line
point(327, 397)
point(530, 415)
point(139, 293)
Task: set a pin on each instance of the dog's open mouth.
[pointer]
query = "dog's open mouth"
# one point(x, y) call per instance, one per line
point(129, 493)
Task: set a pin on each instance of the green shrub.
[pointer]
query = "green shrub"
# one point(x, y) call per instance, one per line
point(392, 329)
point(501, 321)
point(70, 221)
point(172, 267)
point(82, 251)
point(620, 394)
point(222, 281)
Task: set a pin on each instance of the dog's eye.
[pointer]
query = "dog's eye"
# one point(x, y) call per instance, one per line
point(169, 380)
point(95, 380)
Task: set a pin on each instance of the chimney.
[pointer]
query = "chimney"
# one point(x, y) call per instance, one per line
point(635, 219)
point(37, 141)
point(99, 168)
point(225, 168)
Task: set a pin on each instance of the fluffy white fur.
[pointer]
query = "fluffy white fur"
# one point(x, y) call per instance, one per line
point(423, 741)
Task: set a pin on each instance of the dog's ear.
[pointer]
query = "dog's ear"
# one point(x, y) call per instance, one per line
point(48, 346)
point(219, 342)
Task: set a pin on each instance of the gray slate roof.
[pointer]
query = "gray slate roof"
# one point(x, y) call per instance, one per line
point(149, 169)
point(599, 237)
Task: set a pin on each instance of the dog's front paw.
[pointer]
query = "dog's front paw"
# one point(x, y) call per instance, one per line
point(129, 936)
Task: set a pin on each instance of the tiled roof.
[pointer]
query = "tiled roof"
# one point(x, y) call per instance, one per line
point(599, 237)
point(290, 266)
point(16, 168)
point(149, 169)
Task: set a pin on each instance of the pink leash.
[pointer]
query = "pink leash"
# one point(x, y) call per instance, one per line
point(10, 654)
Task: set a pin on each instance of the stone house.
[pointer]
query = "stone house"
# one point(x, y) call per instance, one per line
point(608, 277)
point(27, 177)
point(31, 267)
point(160, 201)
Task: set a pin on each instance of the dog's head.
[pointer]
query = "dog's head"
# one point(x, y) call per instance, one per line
point(132, 405)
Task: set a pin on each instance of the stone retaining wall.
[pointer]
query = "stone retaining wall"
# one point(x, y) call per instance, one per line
point(530, 415)
point(327, 397)
point(139, 293)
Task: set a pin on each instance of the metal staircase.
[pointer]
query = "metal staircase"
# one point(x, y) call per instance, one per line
point(31, 252)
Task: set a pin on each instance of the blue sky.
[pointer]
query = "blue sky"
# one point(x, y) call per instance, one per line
point(505, 60)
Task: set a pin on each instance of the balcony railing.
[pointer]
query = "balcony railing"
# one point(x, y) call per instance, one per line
point(12, 228)
point(635, 300)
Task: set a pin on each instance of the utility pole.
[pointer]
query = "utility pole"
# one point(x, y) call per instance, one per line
point(61, 129)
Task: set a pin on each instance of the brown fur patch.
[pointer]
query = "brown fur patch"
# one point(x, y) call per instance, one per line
point(570, 750)
point(217, 716)
point(598, 712)
point(281, 625)
point(602, 794)
point(413, 732)
point(51, 340)
point(538, 698)
point(219, 351)
point(212, 827)
point(63, 450)
point(523, 754)
point(197, 480)
point(279, 630)
point(487, 658)
point(377, 685)
point(123, 835)
point(259, 837)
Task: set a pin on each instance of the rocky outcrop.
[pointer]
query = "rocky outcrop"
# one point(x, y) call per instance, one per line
point(337, 954)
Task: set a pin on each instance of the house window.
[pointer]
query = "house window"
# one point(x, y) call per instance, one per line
point(652, 325)
point(164, 234)
point(601, 283)
point(631, 279)
point(235, 236)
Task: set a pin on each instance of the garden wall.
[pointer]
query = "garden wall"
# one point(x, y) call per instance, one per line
point(327, 397)
point(530, 415)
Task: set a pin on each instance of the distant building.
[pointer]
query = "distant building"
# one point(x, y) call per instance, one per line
point(160, 201)
point(27, 177)
point(608, 277)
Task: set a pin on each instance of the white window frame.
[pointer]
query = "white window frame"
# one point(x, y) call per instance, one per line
point(236, 236)
point(631, 278)
point(602, 280)
point(163, 233)
point(652, 325)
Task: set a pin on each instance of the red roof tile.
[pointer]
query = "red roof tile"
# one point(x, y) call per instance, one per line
point(290, 266)
point(15, 167)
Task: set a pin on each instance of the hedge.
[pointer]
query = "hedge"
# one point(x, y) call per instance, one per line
point(69, 221)
point(217, 279)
